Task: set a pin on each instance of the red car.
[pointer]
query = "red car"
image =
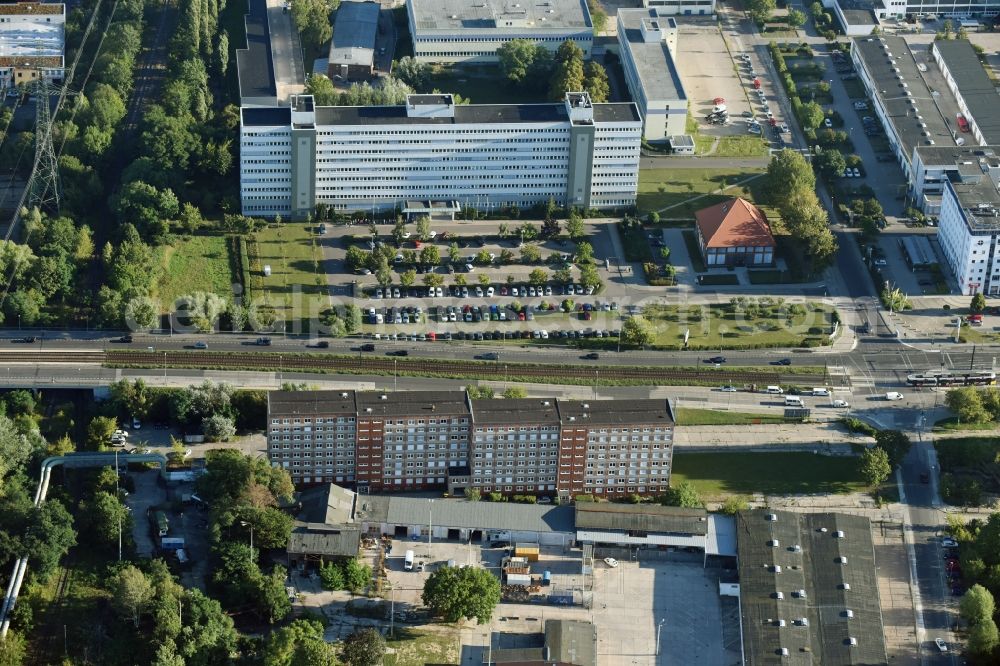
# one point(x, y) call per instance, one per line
point(719, 100)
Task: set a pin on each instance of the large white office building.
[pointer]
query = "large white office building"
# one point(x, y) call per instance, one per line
point(472, 31)
point(969, 225)
point(648, 41)
point(433, 153)
point(32, 43)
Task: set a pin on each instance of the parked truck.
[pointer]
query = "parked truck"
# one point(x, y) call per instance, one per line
point(161, 523)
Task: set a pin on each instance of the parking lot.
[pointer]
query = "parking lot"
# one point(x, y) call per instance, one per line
point(680, 599)
point(708, 72)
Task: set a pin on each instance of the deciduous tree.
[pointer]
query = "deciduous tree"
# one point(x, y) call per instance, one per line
point(874, 466)
point(455, 593)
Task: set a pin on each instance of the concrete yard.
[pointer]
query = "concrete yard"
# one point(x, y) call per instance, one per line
point(708, 71)
point(631, 600)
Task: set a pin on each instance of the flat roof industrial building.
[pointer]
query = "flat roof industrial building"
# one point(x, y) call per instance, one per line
point(808, 589)
point(648, 43)
point(462, 31)
point(975, 93)
point(352, 49)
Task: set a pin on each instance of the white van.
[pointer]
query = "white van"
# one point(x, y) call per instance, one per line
point(893, 395)
point(793, 401)
point(821, 391)
point(774, 390)
point(408, 561)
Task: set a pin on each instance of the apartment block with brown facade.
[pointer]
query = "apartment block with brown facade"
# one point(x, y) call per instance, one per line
point(408, 441)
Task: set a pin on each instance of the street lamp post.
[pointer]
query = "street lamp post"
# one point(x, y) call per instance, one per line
point(250, 525)
point(658, 627)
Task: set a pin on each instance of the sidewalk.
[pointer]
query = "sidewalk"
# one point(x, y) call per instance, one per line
point(829, 438)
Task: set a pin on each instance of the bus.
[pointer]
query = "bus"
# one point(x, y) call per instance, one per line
point(963, 124)
point(970, 378)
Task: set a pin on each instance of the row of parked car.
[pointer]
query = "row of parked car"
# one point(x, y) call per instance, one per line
point(413, 314)
point(448, 336)
point(483, 291)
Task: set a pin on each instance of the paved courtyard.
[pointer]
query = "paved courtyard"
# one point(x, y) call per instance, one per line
point(682, 598)
point(708, 71)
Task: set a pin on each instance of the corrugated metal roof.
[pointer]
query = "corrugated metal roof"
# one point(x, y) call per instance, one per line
point(641, 518)
point(340, 541)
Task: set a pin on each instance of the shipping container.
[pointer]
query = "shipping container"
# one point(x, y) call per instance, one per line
point(171, 543)
point(519, 579)
point(528, 551)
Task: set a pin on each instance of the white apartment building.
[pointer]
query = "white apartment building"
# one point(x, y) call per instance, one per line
point(648, 41)
point(431, 151)
point(969, 226)
point(462, 31)
point(32, 43)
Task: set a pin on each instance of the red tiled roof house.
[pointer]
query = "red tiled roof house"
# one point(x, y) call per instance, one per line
point(734, 233)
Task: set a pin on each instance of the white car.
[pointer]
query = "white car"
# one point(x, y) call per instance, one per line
point(479, 292)
point(827, 123)
point(490, 291)
point(728, 389)
point(545, 334)
point(378, 293)
point(948, 542)
point(893, 395)
point(136, 424)
point(611, 562)
point(840, 403)
point(941, 645)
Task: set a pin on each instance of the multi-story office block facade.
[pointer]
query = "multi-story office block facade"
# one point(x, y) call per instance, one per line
point(515, 444)
point(647, 40)
point(969, 226)
point(461, 31)
point(413, 438)
point(686, 7)
point(477, 155)
point(406, 441)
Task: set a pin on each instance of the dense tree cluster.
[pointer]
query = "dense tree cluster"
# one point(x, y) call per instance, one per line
point(792, 190)
point(527, 64)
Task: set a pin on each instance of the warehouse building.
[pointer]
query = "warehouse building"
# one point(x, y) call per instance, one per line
point(32, 43)
point(352, 49)
point(908, 96)
point(808, 589)
point(435, 151)
point(647, 41)
point(459, 520)
point(651, 526)
point(564, 642)
point(324, 528)
point(405, 441)
point(458, 31)
point(967, 80)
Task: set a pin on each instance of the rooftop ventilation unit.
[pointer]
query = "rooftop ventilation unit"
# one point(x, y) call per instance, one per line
point(772, 517)
point(773, 543)
point(343, 395)
point(779, 595)
point(776, 568)
point(783, 652)
point(844, 586)
point(851, 640)
point(796, 548)
point(802, 622)
point(799, 594)
point(839, 534)
point(841, 560)
point(779, 623)
point(383, 397)
point(822, 529)
point(848, 613)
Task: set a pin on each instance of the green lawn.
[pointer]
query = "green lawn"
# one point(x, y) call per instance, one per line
point(195, 263)
point(683, 191)
point(952, 424)
point(718, 474)
point(481, 84)
point(718, 279)
point(418, 648)
point(296, 287)
point(692, 416)
point(717, 326)
point(741, 146)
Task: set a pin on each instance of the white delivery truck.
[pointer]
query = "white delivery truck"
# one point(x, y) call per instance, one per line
point(793, 401)
point(408, 561)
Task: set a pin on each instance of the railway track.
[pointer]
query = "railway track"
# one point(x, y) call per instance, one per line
point(49, 648)
point(384, 365)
